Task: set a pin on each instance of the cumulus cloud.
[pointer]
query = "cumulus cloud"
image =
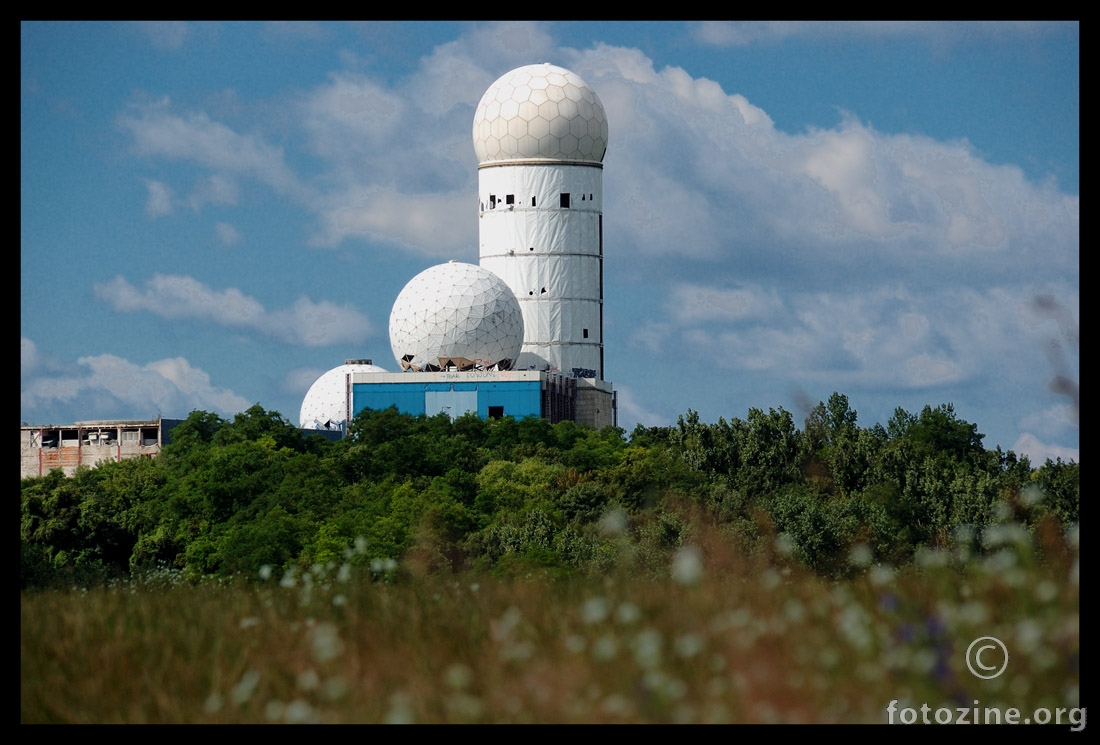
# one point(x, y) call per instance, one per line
point(169, 35)
point(113, 387)
point(439, 225)
point(217, 188)
point(280, 31)
point(159, 200)
point(744, 33)
point(227, 234)
point(693, 303)
point(885, 336)
point(179, 297)
point(698, 173)
point(398, 166)
point(1039, 452)
point(158, 131)
point(28, 356)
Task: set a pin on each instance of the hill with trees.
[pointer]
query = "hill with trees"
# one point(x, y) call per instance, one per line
point(254, 494)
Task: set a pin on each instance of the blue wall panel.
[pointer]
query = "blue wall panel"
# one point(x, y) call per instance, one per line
point(520, 398)
point(409, 399)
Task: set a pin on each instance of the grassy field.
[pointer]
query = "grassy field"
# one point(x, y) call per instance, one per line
point(719, 639)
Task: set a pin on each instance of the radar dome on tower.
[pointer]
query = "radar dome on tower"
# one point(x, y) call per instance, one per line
point(456, 315)
point(540, 112)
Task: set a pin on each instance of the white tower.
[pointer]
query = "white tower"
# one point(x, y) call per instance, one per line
point(540, 134)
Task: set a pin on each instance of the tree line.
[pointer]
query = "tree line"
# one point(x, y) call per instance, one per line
point(254, 493)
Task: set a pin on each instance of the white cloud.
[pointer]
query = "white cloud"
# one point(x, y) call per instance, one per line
point(217, 188)
point(174, 296)
point(180, 297)
point(282, 31)
point(881, 337)
point(227, 234)
point(109, 387)
point(695, 172)
point(438, 225)
point(743, 33)
point(194, 137)
point(651, 336)
point(28, 356)
point(692, 303)
point(685, 157)
point(170, 35)
point(318, 324)
point(159, 201)
point(1038, 452)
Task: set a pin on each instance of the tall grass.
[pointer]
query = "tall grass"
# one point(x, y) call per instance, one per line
point(720, 638)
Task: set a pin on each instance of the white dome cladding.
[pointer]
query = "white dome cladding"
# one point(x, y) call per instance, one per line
point(540, 112)
point(324, 406)
point(456, 314)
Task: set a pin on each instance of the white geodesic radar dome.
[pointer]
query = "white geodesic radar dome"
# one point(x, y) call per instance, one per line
point(325, 404)
point(456, 315)
point(540, 112)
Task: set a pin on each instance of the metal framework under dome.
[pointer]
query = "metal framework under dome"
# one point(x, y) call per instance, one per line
point(460, 364)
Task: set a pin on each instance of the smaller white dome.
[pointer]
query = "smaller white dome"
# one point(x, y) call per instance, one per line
point(325, 404)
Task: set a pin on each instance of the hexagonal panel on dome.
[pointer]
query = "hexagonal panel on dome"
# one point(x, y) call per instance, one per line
point(570, 108)
point(456, 315)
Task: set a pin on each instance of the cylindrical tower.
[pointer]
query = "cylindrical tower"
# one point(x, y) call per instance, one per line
point(540, 134)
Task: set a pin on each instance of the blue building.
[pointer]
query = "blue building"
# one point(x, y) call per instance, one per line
point(490, 394)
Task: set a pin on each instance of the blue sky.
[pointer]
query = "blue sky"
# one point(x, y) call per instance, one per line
point(214, 214)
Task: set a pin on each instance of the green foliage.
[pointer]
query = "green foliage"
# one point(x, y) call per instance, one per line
point(1059, 485)
point(584, 501)
point(231, 496)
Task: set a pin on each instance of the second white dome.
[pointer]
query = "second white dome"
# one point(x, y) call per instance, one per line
point(456, 315)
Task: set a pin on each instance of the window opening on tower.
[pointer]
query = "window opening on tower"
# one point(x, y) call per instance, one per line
point(565, 200)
